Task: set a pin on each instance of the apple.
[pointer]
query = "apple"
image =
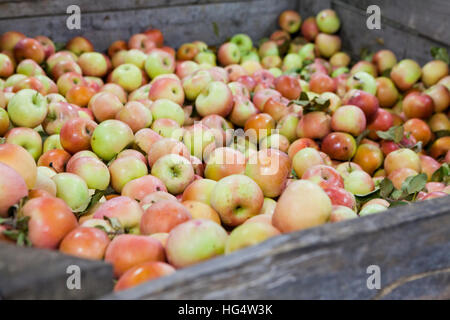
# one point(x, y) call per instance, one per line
point(302, 205)
point(270, 169)
point(216, 98)
point(50, 221)
point(47, 44)
point(167, 88)
point(364, 100)
point(125, 169)
point(287, 125)
point(372, 209)
point(304, 159)
point(92, 170)
point(314, 125)
point(126, 210)
point(4, 121)
point(236, 198)
point(194, 83)
point(364, 66)
point(185, 68)
point(362, 81)
point(384, 60)
point(93, 64)
point(249, 234)
point(85, 242)
point(27, 138)
point(168, 128)
point(199, 191)
point(29, 48)
point(369, 157)
point(405, 74)
point(159, 62)
point(136, 115)
point(20, 160)
point(290, 21)
point(398, 176)
point(341, 197)
point(429, 165)
point(418, 105)
point(127, 251)
point(30, 68)
point(175, 171)
point(195, 241)
point(327, 45)
point(110, 137)
point(165, 146)
point(116, 90)
point(359, 182)
point(141, 187)
point(419, 129)
point(76, 134)
point(340, 60)
point(156, 197)
point(438, 122)
point(13, 188)
point(243, 42)
point(434, 71)
point(9, 39)
point(341, 213)
point(339, 146)
point(79, 45)
point(441, 97)
point(349, 119)
point(142, 273)
point(128, 76)
point(51, 143)
point(73, 190)
point(6, 66)
point(229, 53)
point(440, 147)
point(163, 216)
point(27, 108)
point(324, 176)
point(309, 29)
point(187, 51)
point(328, 21)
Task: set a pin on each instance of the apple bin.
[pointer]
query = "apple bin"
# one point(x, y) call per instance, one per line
point(403, 253)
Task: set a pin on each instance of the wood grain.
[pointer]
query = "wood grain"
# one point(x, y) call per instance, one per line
point(329, 262)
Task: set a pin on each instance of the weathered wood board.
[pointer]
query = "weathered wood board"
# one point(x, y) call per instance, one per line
point(410, 245)
point(27, 273)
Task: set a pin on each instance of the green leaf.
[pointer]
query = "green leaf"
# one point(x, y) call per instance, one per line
point(415, 184)
point(393, 204)
point(398, 194)
point(216, 29)
point(386, 188)
point(366, 55)
point(362, 136)
point(440, 54)
point(442, 133)
point(362, 199)
point(393, 134)
point(442, 174)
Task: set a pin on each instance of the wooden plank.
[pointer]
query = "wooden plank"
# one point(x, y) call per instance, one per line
point(28, 273)
point(427, 18)
point(180, 24)
point(32, 8)
point(403, 41)
point(409, 244)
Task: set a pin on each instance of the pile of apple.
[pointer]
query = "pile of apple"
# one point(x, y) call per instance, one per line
point(154, 159)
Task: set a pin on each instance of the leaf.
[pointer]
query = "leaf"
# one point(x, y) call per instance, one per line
point(442, 174)
point(398, 194)
point(440, 54)
point(362, 136)
point(366, 55)
point(362, 199)
point(415, 184)
point(393, 134)
point(387, 73)
point(59, 46)
point(216, 29)
point(442, 133)
point(393, 204)
point(114, 222)
point(417, 147)
point(386, 188)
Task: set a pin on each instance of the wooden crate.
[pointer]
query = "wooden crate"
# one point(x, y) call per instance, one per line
point(410, 245)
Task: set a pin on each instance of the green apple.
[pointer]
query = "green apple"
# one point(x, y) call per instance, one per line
point(136, 57)
point(307, 52)
point(128, 76)
point(244, 43)
point(175, 171)
point(110, 137)
point(28, 139)
point(362, 81)
point(27, 108)
point(73, 190)
point(206, 57)
point(159, 62)
point(167, 109)
point(292, 61)
point(52, 142)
